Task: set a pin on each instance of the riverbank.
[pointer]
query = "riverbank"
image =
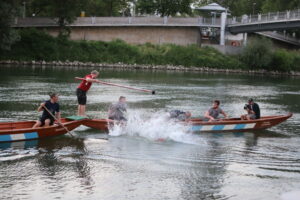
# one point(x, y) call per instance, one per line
point(37, 47)
point(144, 67)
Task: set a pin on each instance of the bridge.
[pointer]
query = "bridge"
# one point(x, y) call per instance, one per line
point(264, 22)
point(181, 30)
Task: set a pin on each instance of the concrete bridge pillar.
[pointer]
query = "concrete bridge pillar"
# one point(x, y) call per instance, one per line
point(222, 32)
point(245, 35)
point(259, 17)
point(165, 19)
point(288, 13)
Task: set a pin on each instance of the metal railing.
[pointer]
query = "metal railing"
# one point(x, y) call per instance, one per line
point(121, 21)
point(268, 17)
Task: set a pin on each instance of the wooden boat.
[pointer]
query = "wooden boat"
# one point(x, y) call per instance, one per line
point(100, 124)
point(18, 131)
point(198, 125)
point(236, 124)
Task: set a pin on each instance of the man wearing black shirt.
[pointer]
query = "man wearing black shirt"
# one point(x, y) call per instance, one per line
point(253, 111)
point(52, 106)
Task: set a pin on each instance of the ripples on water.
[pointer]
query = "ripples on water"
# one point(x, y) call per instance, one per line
point(151, 158)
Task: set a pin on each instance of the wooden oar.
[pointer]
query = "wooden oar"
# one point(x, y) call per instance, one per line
point(58, 121)
point(117, 85)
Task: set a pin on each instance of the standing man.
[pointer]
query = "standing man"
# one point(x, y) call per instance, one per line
point(52, 106)
point(118, 110)
point(82, 89)
point(213, 113)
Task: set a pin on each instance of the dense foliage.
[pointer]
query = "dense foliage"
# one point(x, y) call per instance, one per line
point(8, 10)
point(259, 54)
point(36, 45)
point(164, 7)
point(159, 7)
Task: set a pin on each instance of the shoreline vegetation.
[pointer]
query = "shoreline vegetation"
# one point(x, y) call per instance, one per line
point(36, 47)
point(143, 67)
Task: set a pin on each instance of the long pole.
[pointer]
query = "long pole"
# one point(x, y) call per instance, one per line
point(57, 121)
point(117, 85)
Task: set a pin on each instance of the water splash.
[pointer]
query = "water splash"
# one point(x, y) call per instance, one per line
point(156, 127)
point(293, 195)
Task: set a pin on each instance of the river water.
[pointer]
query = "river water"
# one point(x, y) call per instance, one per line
point(133, 163)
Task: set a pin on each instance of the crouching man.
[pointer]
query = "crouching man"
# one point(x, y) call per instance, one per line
point(253, 111)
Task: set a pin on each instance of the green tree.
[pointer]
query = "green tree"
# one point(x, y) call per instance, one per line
point(108, 7)
point(8, 35)
point(164, 7)
point(91, 7)
point(236, 7)
point(63, 11)
point(280, 5)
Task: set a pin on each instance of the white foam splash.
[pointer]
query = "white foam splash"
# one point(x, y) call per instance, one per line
point(155, 126)
point(293, 195)
point(82, 128)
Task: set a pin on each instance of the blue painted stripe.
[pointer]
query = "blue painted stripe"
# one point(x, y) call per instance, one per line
point(239, 126)
point(32, 135)
point(218, 127)
point(5, 138)
point(196, 128)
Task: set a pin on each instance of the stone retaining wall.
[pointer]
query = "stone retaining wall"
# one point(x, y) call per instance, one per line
point(145, 67)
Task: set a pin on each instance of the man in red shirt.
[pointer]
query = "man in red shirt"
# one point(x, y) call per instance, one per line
point(83, 87)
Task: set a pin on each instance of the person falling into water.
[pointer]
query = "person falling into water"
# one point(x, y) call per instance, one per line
point(180, 115)
point(117, 111)
point(52, 106)
point(82, 89)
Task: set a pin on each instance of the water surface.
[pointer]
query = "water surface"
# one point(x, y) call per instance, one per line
point(133, 164)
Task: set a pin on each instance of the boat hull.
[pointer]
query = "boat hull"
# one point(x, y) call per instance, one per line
point(236, 124)
point(19, 131)
point(197, 125)
point(100, 124)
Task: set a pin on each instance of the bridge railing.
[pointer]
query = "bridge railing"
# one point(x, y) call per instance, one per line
point(268, 17)
point(282, 36)
point(120, 21)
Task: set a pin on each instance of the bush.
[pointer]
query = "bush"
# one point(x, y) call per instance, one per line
point(282, 60)
point(296, 61)
point(37, 45)
point(258, 54)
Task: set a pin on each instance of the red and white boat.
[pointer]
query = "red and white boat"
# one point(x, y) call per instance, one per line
point(198, 125)
point(18, 131)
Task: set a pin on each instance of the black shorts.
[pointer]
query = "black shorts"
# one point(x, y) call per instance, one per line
point(43, 119)
point(81, 96)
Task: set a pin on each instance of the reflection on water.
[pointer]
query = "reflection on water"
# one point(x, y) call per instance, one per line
point(133, 162)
